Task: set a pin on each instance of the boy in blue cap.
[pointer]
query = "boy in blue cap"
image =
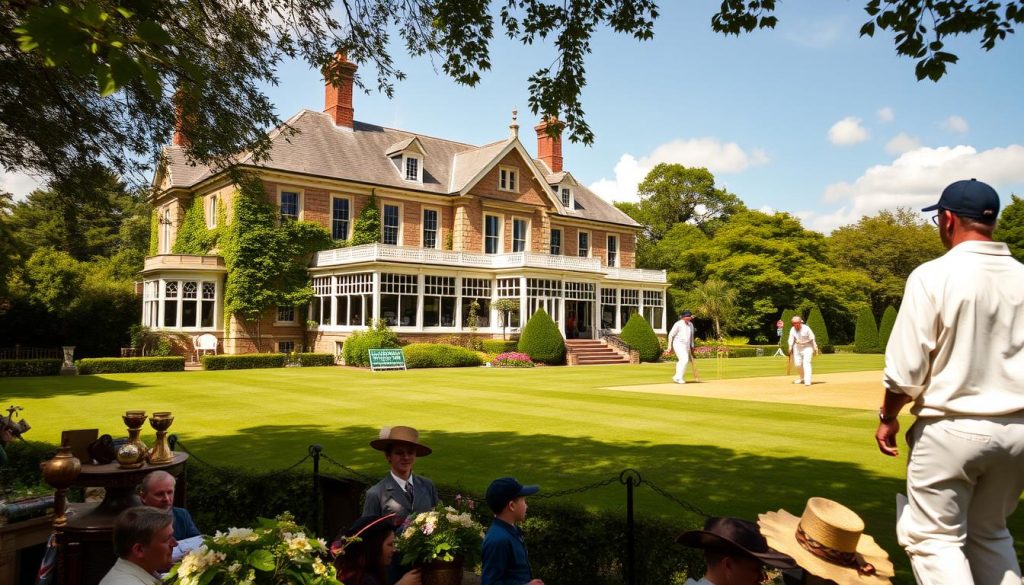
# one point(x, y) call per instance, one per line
point(505, 561)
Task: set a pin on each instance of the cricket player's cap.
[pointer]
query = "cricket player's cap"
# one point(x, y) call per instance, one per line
point(686, 314)
point(969, 198)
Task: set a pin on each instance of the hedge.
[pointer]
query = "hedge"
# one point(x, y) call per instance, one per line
point(638, 335)
point(885, 327)
point(316, 359)
point(435, 355)
point(816, 321)
point(356, 352)
point(498, 345)
point(243, 362)
point(174, 363)
point(865, 336)
point(43, 367)
point(542, 341)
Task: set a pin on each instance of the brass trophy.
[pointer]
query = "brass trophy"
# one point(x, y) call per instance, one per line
point(161, 451)
point(132, 454)
point(61, 473)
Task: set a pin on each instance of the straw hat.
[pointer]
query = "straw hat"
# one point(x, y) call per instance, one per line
point(828, 541)
point(405, 435)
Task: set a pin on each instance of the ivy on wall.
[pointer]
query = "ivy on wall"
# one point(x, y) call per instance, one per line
point(367, 228)
point(193, 235)
point(154, 233)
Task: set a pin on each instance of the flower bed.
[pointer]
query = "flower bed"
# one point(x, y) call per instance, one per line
point(512, 359)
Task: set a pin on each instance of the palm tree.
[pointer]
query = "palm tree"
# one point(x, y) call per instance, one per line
point(716, 300)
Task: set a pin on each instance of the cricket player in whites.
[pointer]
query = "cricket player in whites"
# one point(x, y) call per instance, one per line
point(680, 341)
point(802, 346)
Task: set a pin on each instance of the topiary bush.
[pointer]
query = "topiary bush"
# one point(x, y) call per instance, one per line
point(817, 324)
point(787, 324)
point(43, 367)
point(885, 327)
point(356, 352)
point(436, 355)
point(174, 363)
point(865, 336)
point(639, 335)
point(316, 359)
point(247, 361)
point(542, 341)
point(498, 345)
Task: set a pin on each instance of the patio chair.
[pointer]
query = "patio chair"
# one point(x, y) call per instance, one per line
point(203, 343)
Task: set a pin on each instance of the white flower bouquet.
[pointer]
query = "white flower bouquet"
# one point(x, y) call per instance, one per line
point(442, 534)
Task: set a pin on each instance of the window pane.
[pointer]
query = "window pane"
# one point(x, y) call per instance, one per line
point(492, 229)
point(447, 311)
point(289, 205)
point(518, 235)
point(389, 309)
point(584, 244)
point(207, 316)
point(170, 313)
point(189, 313)
point(483, 312)
point(325, 312)
point(431, 311)
point(355, 311)
point(566, 197)
point(391, 225)
point(339, 219)
point(556, 242)
point(412, 166)
point(429, 228)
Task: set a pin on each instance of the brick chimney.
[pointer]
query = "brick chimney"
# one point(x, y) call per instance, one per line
point(180, 124)
point(338, 95)
point(549, 149)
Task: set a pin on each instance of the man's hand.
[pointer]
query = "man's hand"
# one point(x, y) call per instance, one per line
point(885, 436)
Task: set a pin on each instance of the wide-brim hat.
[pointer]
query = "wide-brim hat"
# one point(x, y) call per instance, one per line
point(737, 534)
point(405, 435)
point(828, 541)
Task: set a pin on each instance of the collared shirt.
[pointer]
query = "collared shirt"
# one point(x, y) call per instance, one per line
point(505, 561)
point(802, 339)
point(703, 581)
point(681, 333)
point(184, 526)
point(957, 347)
point(125, 572)
point(401, 482)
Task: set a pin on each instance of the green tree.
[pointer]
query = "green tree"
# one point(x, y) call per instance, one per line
point(638, 335)
point(715, 300)
point(367, 227)
point(816, 321)
point(672, 194)
point(10, 253)
point(865, 340)
point(885, 327)
point(1010, 228)
point(541, 340)
point(504, 307)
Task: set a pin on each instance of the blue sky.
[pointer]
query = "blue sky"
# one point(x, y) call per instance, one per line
point(807, 118)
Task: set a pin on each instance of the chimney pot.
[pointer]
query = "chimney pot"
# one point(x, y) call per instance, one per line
point(549, 148)
point(338, 94)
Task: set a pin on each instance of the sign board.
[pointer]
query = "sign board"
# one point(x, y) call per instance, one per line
point(386, 359)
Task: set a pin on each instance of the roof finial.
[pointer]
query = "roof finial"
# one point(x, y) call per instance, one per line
point(513, 128)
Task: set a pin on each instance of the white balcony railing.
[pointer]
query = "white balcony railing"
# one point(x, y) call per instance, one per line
point(382, 252)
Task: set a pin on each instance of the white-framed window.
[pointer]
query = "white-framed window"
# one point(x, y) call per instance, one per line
point(341, 217)
point(567, 197)
point(351, 294)
point(431, 227)
point(285, 314)
point(508, 179)
point(165, 231)
point(477, 290)
point(583, 244)
point(320, 306)
point(492, 233)
point(399, 303)
point(439, 297)
point(285, 346)
point(556, 242)
point(609, 303)
point(413, 169)
point(508, 288)
point(211, 211)
point(629, 303)
point(654, 307)
point(613, 250)
point(290, 202)
point(580, 291)
point(520, 234)
point(543, 293)
point(391, 223)
point(187, 304)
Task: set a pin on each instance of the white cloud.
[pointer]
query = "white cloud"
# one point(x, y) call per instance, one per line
point(956, 124)
point(886, 114)
point(847, 131)
point(717, 156)
point(901, 143)
point(915, 180)
point(18, 184)
point(818, 33)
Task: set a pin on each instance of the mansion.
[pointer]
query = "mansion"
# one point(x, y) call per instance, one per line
point(462, 226)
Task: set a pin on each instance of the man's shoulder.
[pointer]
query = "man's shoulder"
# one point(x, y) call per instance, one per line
point(180, 512)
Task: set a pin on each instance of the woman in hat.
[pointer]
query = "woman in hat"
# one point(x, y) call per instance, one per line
point(400, 492)
point(363, 553)
point(829, 544)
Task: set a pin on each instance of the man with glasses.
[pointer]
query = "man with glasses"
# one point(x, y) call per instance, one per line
point(957, 353)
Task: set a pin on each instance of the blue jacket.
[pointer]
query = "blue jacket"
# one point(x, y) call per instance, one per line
point(504, 556)
point(184, 527)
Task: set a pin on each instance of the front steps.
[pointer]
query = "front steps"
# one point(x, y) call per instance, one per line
point(588, 352)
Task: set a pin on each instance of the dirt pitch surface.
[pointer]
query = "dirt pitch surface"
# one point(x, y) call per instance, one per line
point(860, 390)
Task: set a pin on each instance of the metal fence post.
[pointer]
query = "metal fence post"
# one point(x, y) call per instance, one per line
point(314, 451)
point(631, 478)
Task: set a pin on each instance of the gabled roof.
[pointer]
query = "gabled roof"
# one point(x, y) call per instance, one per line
point(361, 154)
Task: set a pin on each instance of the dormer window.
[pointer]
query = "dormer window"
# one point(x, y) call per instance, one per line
point(407, 157)
point(508, 179)
point(412, 169)
point(567, 197)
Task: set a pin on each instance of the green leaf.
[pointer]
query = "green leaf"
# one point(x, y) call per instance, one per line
point(262, 560)
point(154, 34)
point(105, 80)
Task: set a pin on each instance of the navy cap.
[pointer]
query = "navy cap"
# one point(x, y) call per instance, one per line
point(969, 198)
point(686, 314)
point(505, 489)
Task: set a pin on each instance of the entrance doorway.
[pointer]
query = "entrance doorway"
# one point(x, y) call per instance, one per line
point(579, 320)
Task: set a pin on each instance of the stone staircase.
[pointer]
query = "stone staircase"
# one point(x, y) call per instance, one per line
point(587, 352)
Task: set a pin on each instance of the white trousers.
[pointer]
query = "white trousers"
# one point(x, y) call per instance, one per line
point(965, 477)
point(802, 358)
point(682, 352)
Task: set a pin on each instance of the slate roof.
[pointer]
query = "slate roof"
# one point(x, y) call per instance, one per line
point(360, 154)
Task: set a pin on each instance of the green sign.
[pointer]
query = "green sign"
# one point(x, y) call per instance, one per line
point(386, 359)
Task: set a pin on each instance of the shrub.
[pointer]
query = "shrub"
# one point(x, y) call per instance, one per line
point(498, 345)
point(817, 324)
point(512, 359)
point(638, 335)
point(44, 367)
point(541, 340)
point(787, 317)
point(467, 341)
point(247, 361)
point(865, 336)
point(356, 349)
point(434, 355)
point(885, 327)
point(316, 359)
point(174, 363)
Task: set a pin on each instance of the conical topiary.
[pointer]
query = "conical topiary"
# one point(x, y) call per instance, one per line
point(541, 340)
point(787, 324)
point(816, 321)
point(865, 336)
point(885, 328)
point(638, 335)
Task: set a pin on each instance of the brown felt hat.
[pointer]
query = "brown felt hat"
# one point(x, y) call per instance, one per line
point(735, 534)
point(405, 435)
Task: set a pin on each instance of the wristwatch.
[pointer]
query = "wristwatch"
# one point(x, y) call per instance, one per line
point(886, 419)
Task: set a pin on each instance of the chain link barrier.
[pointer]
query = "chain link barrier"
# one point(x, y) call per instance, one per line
point(682, 503)
point(358, 475)
point(227, 471)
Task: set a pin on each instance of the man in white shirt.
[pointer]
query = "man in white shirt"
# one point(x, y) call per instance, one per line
point(957, 352)
point(735, 553)
point(143, 541)
point(680, 342)
point(802, 347)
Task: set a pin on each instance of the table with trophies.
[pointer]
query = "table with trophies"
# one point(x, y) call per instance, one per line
point(84, 530)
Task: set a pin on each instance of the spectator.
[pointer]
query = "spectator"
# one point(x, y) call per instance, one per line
point(734, 551)
point(364, 552)
point(157, 490)
point(505, 561)
point(143, 541)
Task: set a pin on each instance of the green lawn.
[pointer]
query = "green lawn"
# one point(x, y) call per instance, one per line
point(554, 426)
